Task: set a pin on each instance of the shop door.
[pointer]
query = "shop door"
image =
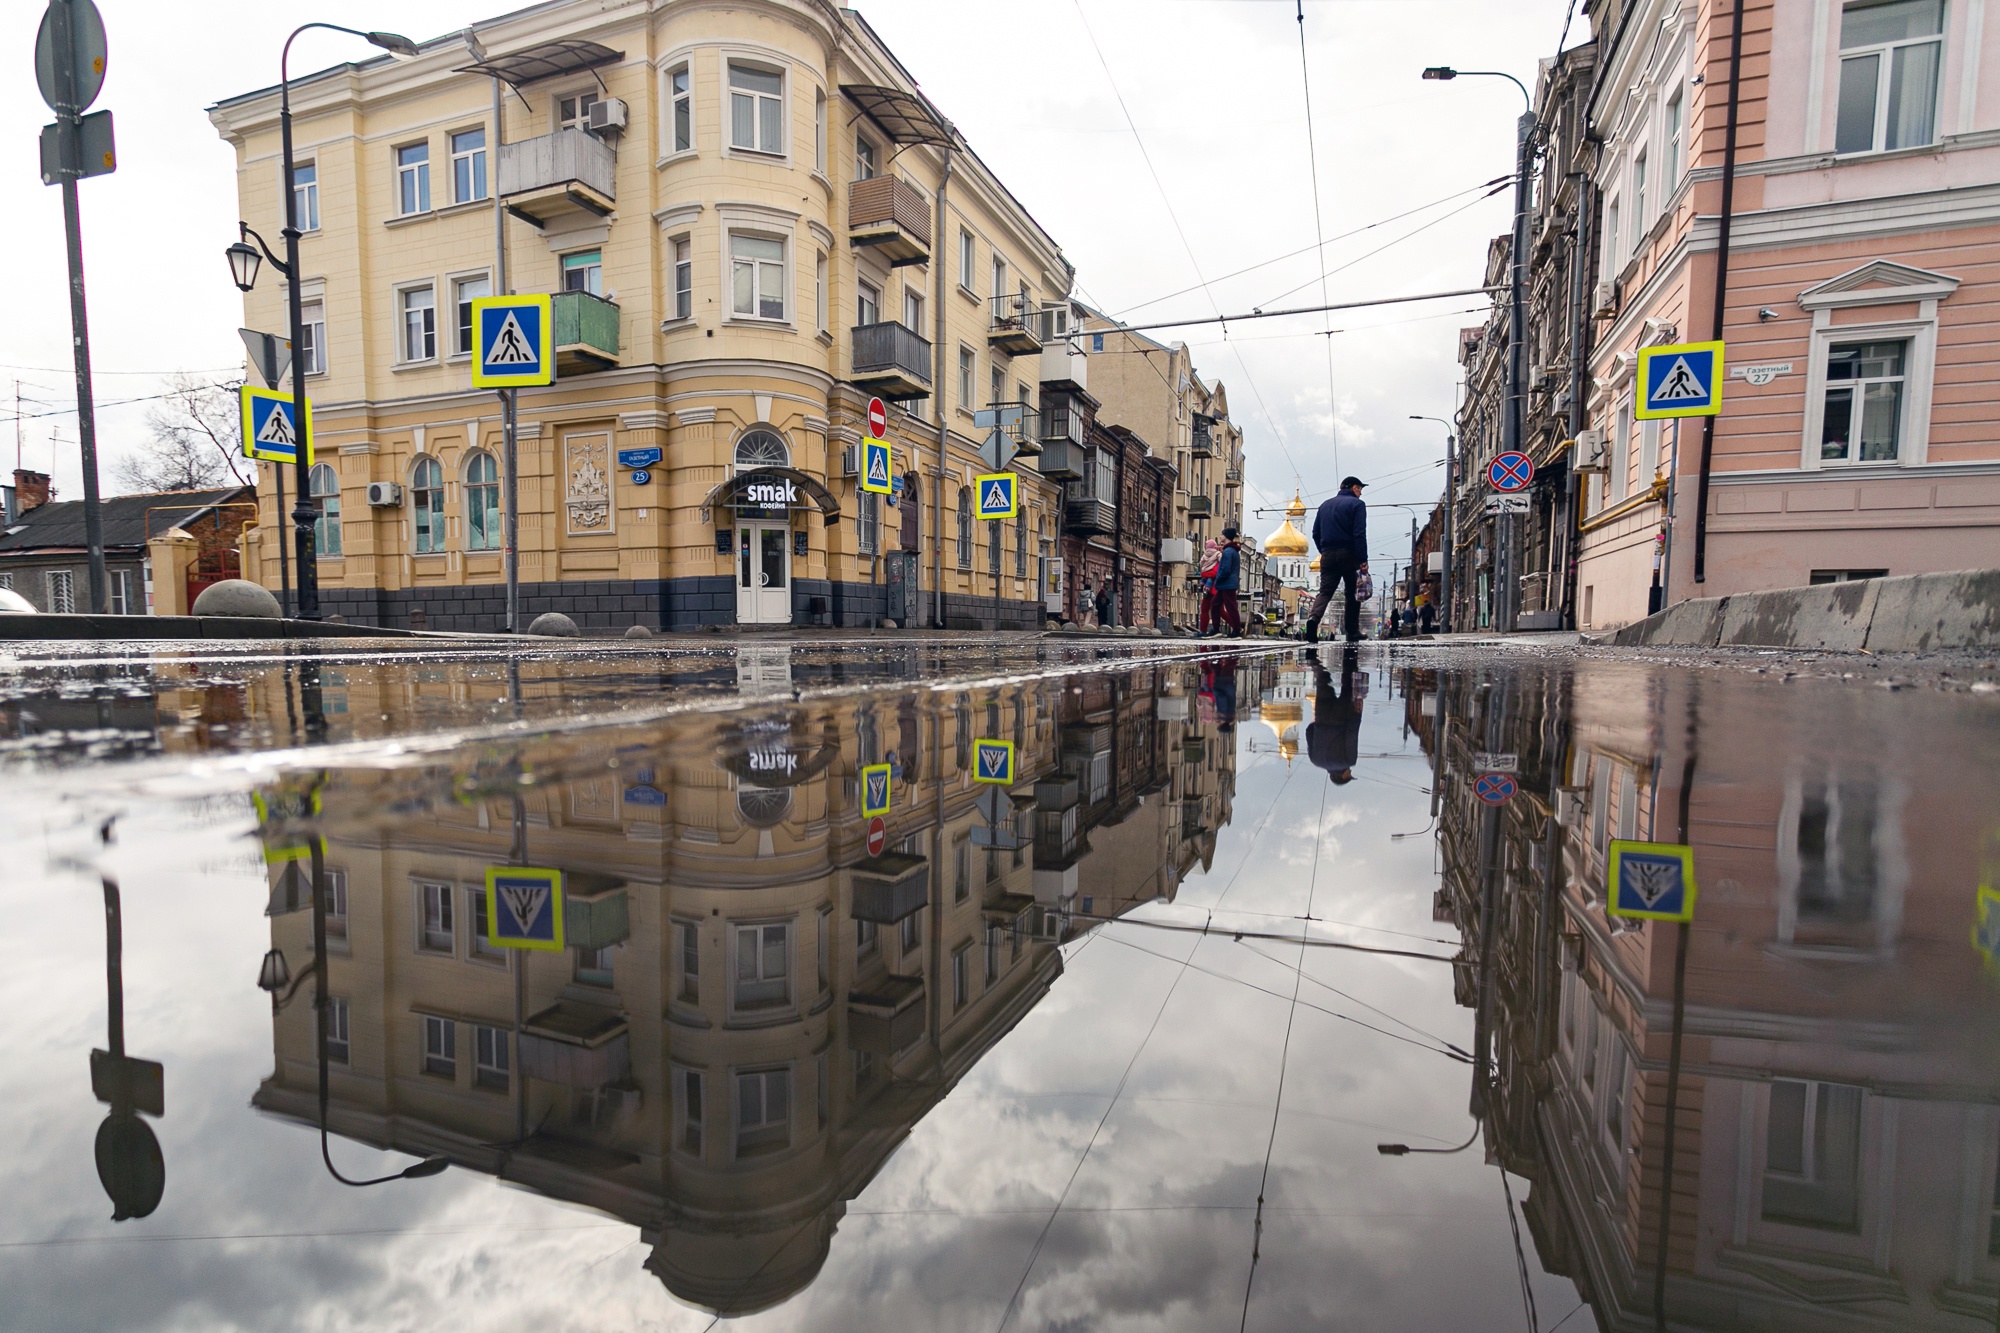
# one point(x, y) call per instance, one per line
point(763, 574)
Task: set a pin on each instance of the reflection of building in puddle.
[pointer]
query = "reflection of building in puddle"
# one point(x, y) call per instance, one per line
point(750, 1011)
point(1837, 1151)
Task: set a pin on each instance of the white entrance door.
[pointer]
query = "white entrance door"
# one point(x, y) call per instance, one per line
point(763, 574)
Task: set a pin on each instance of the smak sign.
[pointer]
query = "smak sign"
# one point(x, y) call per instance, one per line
point(770, 494)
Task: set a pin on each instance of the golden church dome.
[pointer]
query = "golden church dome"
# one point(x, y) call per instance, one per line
point(1288, 540)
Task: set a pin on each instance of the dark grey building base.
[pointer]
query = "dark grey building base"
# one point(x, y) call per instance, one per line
point(660, 604)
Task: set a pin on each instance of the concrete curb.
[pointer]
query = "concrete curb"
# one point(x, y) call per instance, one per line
point(128, 628)
point(1910, 613)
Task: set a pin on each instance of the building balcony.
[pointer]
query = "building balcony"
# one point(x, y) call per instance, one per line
point(1064, 420)
point(891, 217)
point(558, 175)
point(1064, 365)
point(892, 360)
point(586, 333)
point(1088, 514)
point(1202, 445)
point(1016, 326)
point(1060, 459)
point(1233, 477)
point(1199, 507)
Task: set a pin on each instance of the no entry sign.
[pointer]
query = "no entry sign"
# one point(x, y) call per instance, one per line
point(878, 836)
point(878, 419)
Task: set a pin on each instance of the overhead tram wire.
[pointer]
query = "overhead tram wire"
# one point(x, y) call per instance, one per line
point(1174, 217)
point(1387, 245)
point(1319, 256)
point(1260, 313)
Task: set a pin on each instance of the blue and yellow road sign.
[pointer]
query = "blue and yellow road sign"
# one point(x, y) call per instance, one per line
point(1651, 880)
point(270, 429)
point(877, 467)
point(524, 907)
point(998, 494)
point(1684, 380)
point(875, 790)
point(993, 761)
point(514, 342)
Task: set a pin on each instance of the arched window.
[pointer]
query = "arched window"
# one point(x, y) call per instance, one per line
point(763, 807)
point(1021, 544)
point(965, 527)
point(326, 500)
point(762, 448)
point(427, 502)
point(482, 502)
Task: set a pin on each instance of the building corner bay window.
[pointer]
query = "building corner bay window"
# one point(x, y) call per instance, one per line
point(756, 109)
point(1890, 54)
point(1863, 409)
point(326, 508)
point(757, 276)
point(482, 503)
point(1812, 1155)
point(427, 505)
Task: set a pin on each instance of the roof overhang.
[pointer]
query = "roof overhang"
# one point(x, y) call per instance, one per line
point(905, 117)
point(548, 60)
point(735, 492)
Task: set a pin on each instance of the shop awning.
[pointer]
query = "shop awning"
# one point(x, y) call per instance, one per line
point(771, 489)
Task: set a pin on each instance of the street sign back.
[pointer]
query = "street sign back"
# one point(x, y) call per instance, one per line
point(1683, 380)
point(270, 355)
point(524, 907)
point(86, 50)
point(269, 430)
point(1651, 880)
point(999, 449)
point(999, 494)
point(515, 338)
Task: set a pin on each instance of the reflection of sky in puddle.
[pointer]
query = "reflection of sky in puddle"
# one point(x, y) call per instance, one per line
point(1132, 1079)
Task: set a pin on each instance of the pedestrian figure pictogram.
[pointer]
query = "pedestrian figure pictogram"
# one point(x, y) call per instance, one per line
point(277, 430)
point(875, 467)
point(510, 345)
point(1680, 383)
point(1684, 380)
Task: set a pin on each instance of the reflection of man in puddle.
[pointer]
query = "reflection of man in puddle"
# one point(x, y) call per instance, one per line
point(1333, 739)
point(1219, 684)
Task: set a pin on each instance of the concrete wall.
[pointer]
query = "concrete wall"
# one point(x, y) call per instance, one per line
point(1909, 614)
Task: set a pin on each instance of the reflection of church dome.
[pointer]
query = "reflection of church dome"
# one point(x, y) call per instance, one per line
point(1288, 540)
point(1314, 566)
point(1283, 709)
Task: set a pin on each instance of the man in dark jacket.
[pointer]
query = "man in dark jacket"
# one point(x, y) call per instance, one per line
point(1333, 737)
point(1228, 580)
point(1340, 531)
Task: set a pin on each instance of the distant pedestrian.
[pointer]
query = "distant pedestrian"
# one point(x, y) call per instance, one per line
point(1340, 530)
point(1204, 619)
point(1426, 613)
point(1104, 618)
point(1333, 737)
point(1228, 581)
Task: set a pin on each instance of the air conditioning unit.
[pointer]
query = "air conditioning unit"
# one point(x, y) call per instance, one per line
point(608, 115)
point(850, 461)
point(1589, 451)
point(1604, 299)
point(385, 494)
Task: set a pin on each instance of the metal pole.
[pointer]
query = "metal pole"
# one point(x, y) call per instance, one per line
point(509, 409)
point(1450, 534)
point(284, 551)
point(70, 122)
point(938, 304)
point(1508, 593)
point(1667, 549)
point(302, 507)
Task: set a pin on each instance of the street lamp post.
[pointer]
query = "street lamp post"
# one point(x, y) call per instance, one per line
point(1513, 425)
point(1450, 532)
point(243, 266)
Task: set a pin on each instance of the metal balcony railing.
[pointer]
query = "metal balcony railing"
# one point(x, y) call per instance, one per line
point(892, 216)
point(556, 173)
point(1016, 324)
point(893, 359)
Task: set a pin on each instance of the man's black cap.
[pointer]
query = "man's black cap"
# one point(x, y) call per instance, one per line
point(1355, 482)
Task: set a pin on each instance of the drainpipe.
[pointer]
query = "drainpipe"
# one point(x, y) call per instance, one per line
point(1721, 287)
point(1581, 248)
point(938, 299)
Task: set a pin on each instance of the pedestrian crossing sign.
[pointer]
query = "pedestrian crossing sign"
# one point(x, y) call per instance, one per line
point(993, 761)
point(524, 907)
point(270, 426)
point(1651, 880)
point(515, 341)
point(999, 494)
point(875, 788)
point(876, 467)
point(1684, 380)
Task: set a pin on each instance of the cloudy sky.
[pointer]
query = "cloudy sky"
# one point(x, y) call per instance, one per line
point(1162, 142)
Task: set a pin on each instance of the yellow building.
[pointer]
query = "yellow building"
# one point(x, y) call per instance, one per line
point(751, 221)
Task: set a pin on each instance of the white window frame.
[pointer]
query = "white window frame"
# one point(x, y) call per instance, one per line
point(675, 102)
point(584, 97)
point(681, 246)
point(820, 291)
point(690, 1109)
point(60, 586)
point(1884, 52)
point(326, 522)
point(968, 367)
point(403, 292)
point(478, 168)
point(820, 137)
point(312, 313)
point(1614, 238)
point(309, 204)
point(1919, 372)
point(766, 1123)
point(118, 587)
point(458, 351)
point(469, 490)
point(785, 1002)
point(868, 154)
point(784, 280)
point(447, 895)
point(439, 1044)
point(1673, 135)
point(1641, 223)
point(1891, 868)
point(761, 63)
point(441, 512)
point(494, 1072)
point(416, 176)
point(968, 259)
point(339, 1031)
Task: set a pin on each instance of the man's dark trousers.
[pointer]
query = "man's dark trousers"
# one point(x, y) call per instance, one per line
point(1335, 567)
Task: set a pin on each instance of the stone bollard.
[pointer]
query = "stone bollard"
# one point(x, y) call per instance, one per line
point(553, 624)
point(237, 597)
point(638, 632)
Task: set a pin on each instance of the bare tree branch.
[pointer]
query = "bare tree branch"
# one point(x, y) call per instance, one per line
point(193, 445)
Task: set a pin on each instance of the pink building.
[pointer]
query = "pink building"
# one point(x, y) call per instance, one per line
point(1860, 430)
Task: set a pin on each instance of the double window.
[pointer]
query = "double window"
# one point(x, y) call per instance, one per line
point(763, 965)
point(312, 355)
point(419, 310)
point(337, 1042)
point(305, 194)
point(1890, 55)
point(756, 109)
point(464, 291)
point(1674, 131)
point(325, 484)
point(427, 505)
point(868, 522)
point(763, 1111)
point(683, 278)
point(413, 179)
point(1638, 199)
point(690, 951)
point(482, 503)
point(757, 277)
point(965, 260)
point(490, 1065)
point(440, 1047)
point(965, 527)
point(1863, 412)
point(584, 272)
point(434, 924)
point(573, 111)
point(61, 587)
point(468, 166)
point(865, 167)
point(1812, 1155)
point(965, 398)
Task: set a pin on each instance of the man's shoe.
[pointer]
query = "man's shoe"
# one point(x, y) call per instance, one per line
point(1312, 631)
